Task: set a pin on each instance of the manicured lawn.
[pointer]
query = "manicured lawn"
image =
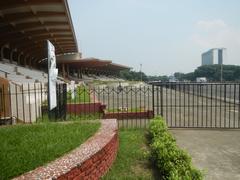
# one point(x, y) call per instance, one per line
point(84, 116)
point(82, 95)
point(131, 161)
point(25, 147)
point(71, 117)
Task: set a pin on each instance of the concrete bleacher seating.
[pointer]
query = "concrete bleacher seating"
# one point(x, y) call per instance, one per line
point(18, 74)
point(7, 67)
point(27, 89)
point(91, 77)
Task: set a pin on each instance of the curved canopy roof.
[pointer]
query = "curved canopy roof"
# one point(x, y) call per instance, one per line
point(26, 24)
point(84, 63)
point(114, 67)
point(75, 61)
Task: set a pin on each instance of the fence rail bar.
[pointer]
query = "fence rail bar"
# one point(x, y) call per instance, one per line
point(183, 105)
point(199, 105)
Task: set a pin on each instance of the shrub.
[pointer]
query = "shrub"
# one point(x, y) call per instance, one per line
point(171, 162)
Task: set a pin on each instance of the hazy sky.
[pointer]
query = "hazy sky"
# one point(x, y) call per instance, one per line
point(165, 36)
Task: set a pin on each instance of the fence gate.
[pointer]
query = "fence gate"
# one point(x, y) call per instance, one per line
point(198, 105)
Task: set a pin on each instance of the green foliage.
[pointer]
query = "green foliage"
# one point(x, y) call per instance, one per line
point(133, 75)
point(212, 73)
point(82, 95)
point(25, 147)
point(189, 76)
point(179, 76)
point(83, 116)
point(172, 162)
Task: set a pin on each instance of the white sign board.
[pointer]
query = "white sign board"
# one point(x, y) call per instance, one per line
point(52, 76)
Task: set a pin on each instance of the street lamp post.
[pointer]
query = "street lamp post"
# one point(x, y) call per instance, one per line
point(141, 71)
point(221, 72)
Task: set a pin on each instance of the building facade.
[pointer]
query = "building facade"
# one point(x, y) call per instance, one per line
point(214, 56)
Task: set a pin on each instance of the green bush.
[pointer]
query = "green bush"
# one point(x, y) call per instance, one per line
point(171, 162)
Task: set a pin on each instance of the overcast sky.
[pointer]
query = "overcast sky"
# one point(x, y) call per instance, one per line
point(165, 36)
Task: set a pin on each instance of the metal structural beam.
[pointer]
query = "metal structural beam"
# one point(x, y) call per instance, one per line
point(26, 24)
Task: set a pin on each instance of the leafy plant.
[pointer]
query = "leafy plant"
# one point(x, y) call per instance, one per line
point(172, 162)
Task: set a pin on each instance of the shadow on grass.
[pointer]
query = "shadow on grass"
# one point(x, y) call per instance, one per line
point(132, 160)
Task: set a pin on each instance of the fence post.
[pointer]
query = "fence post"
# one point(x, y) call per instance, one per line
point(65, 101)
point(161, 102)
point(153, 100)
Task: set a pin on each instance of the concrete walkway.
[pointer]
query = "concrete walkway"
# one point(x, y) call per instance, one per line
point(217, 152)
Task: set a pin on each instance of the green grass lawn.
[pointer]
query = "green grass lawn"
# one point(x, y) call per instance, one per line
point(71, 117)
point(131, 161)
point(82, 95)
point(84, 116)
point(25, 147)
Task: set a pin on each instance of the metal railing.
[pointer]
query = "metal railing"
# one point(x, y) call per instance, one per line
point(132, 106)
point(27, 103)
point(198, 105)
point(183, 105)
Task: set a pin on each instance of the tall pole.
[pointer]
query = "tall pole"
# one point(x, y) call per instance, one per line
point(221, 72)
point(141, 71)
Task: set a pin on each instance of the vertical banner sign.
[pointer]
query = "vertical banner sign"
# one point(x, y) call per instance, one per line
point(52, 76)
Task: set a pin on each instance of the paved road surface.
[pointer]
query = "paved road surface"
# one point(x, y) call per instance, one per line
point(215, 151)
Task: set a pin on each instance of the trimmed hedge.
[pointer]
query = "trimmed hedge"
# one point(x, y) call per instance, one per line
point(171, 162)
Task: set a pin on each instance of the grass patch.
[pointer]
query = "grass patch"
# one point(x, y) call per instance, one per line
point(132, 161)
point(82, 95)
point(71, 117)
point(25, 147)
point(84, 116)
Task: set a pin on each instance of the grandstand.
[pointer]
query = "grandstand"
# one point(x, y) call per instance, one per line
point(72, 65)
point(24, 28)
point(18, 74)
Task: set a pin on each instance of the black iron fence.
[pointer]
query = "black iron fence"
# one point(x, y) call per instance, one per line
point(27, 103)
point(198, 105)
point(183, 105)
point(132, 106)
point(60, 111)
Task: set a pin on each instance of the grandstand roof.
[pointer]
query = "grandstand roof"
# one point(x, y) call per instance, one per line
point(74, 61)
point(85, 63)
point(26, 24)
point(115, 67)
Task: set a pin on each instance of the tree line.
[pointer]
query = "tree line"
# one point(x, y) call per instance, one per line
point(211, 72)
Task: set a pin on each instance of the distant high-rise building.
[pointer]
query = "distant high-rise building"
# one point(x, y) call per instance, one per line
point(214, 56)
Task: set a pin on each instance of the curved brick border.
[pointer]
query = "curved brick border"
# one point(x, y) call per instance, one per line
point(91, 160)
